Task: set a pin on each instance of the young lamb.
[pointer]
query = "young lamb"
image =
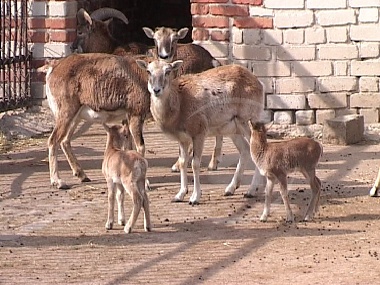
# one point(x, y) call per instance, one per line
point(219, 101)
point(275, 160)
point(124, 171)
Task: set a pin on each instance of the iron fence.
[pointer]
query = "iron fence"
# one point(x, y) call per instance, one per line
point(15, 56)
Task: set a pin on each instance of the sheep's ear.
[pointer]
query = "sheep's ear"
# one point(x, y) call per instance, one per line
point(182, 33)
point(177, 64)
point(87, 17)
point(269, 125)
point(251, 126)
point(148, 32)
point(106, 127)
point(142, 64)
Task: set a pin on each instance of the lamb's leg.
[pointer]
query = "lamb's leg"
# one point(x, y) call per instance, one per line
point(120, 205)
point(136, 205)
point(198, 144)
point(282, 179)
point(217, 154)
point(375, 188)
point(111, 203)
point(147, 222)
point(71, 158)
point(268, 198)
point(183, 161)
point(243, 148)
point(315, 185)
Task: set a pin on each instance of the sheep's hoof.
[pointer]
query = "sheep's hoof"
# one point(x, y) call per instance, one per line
point(194, 203)
point(373, 192)
point(247, 195)
point(128, 230)
point(63, 186)
point(228, 194)
point(86, 179)
point(109, 226)
point(148, 229)
point(121, 223)
point(176, 200)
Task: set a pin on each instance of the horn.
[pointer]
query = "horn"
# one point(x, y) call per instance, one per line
point(83, 17)
point(105, 13)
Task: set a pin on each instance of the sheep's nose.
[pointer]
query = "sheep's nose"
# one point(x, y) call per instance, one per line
point(164, 56)
point(156, 91)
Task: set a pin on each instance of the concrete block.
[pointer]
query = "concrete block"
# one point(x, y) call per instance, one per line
point(371, 116)
point(369, 50)
point(369, 84)
point(336, 17)
point(337, 34)
point(251, 36)
point(217, 49)
point(340, 68)
point(293, 19)
point(368, 15)
point(365, 32)
point(266, 116)
point(251, 52)
point(364, 3)
point(326, 4)
point(312, 68)
point(338, 51)
point(283, 117)
point(364, 100)
point(294, 36)
point(280, 4)
point(296, 52)
point(322, 115)
point(272, 37)
point(343, 130)
point(295, 85)
point(237, 36)
point(337, 84)
point(365, 68)
point(305, 117)
point(327, 100)
point(315, 35)
point(296, 102)
point(276, 69)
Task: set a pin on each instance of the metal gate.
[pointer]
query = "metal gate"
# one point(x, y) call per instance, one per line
point(15, 56)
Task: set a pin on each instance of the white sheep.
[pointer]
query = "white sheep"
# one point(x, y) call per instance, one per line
point(275, 160)
point(124, 170)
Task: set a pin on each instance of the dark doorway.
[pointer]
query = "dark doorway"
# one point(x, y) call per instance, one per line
point(145, 13)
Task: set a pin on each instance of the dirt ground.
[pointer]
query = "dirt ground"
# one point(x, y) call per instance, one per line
point(51, 236)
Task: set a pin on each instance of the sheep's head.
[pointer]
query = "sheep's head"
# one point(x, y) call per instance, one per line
point(160, 74)
point(166, 40)
point(93, 34)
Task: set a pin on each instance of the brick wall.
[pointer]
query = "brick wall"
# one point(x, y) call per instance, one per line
point(52, 27)
point(318, 58)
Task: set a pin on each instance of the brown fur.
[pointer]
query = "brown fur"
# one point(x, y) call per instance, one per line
point(124, 171)
point(100, 82)
point(276, 159)
point(218, 101)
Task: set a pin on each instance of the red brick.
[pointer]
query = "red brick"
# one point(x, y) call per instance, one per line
point(229, 10)
point(220, 36)
point(61, 23)
point(210, 22)
point(38, 37)
point(208, 1)
point(37, 23)
point(249, 2)
point(200, 34)
point(62, 36)
point(253, 23)
point(199, 9)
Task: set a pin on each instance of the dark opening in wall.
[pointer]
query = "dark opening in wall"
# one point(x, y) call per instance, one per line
point(144, 13)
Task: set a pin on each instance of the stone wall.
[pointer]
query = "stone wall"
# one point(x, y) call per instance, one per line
point(318, 58)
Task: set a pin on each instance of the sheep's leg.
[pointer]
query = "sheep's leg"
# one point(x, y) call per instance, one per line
point(257, 184)
point(315, 185)
point(375, 188)
point(136, 129)
point(285, 198)
point(198, 144)
point(243, 148)
point(120, 205)
point(111, 203)
point(217, 154)
point(71, 158)
point(183, 161)
point(175, 167)
point(136, 205)
point(268, 199)
point(60, 131)
point(147, 222)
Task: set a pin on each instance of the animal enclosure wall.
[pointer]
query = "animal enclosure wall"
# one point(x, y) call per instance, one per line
point(318, 59)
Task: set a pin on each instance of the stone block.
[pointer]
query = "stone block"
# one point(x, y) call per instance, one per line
point(305, 117)
point(283, 117)
point(343, 130)
point(371, 116)
point(322, 115)
point(283, 102)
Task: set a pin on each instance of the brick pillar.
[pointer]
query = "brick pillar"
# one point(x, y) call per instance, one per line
point(52, 27)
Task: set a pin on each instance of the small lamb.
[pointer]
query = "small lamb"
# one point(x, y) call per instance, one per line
point(276, 159)
point(124, 170)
